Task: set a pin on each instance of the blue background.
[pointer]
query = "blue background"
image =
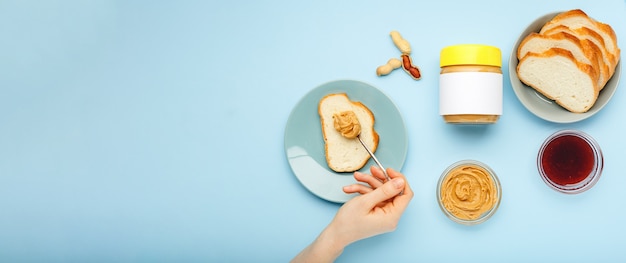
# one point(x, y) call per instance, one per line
point(153, 131)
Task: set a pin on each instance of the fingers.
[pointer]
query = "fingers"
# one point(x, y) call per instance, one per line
point(357, 188)
point(386, 191)
point(395, 174)
point(372, 181)
point(378, 173)
point(368, 179)
point(401, 201)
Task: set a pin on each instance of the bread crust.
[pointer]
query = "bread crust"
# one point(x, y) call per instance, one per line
point(597, 43)
point(342, 154)
point(577, 18)
point(582, 50)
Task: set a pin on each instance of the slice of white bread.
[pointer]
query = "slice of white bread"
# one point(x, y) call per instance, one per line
point(584, 50)
point(584, 33)
point(576, 18)
point(342, 154)
point(557, 75)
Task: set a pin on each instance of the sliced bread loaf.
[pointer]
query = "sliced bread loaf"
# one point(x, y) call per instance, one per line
point(583, 51)
point(576, 18)
point(569, 51)
point(557, 75)
point(343, 154)
point(584, 33)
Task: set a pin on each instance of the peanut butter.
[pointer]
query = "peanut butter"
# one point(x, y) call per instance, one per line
point(470, 84)
point(347, 124)
point(468, 191)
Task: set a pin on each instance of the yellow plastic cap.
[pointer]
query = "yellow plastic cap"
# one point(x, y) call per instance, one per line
point(470, 54)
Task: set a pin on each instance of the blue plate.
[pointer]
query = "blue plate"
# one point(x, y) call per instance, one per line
point(304, 143)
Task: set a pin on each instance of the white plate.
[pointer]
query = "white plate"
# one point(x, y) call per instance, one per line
point(304, 143)
point(543, 107)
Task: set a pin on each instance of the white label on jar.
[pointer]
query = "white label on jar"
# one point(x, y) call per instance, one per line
point(470, 93)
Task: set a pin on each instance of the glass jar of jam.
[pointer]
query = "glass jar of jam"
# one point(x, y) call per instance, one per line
point(470, 84)
point(570, 161)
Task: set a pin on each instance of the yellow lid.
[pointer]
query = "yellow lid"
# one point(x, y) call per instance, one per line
point(470, 54)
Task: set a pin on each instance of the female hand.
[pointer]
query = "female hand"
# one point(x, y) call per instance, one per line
point(377, 210)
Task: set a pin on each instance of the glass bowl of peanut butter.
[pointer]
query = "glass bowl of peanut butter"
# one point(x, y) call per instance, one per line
point(469, 192)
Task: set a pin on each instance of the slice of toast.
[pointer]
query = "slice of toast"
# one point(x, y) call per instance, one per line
point(343, 154)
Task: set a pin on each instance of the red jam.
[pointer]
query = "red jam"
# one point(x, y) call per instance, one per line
point(568, 159)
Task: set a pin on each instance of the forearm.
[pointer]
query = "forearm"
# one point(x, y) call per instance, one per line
point(325, 248)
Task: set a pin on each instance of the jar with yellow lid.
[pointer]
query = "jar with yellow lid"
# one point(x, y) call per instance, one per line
point(470, 84)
